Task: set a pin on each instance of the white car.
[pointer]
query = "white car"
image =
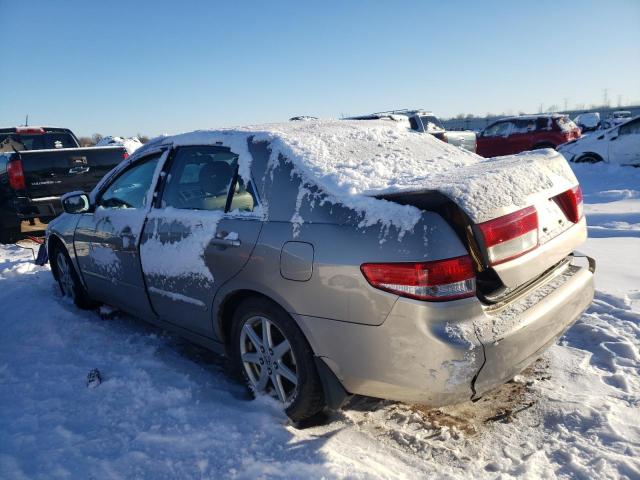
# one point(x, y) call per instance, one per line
point(619, 144)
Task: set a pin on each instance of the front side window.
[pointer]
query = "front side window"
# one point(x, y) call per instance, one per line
point(201, 178)
point(130, 188)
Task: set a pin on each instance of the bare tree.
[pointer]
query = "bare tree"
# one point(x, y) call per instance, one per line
point(96, 137)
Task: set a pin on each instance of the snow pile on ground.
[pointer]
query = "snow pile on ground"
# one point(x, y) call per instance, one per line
point(167, 409)
point(131, 144)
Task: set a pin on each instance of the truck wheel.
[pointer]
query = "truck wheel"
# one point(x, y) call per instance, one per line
point(274, 357)
point(68, 280)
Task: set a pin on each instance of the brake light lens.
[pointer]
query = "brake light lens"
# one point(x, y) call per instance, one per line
point(16, 175)
point(510, 236)
point(125, 155)
point(571, 203)
point(436, 281)
point(30, 130)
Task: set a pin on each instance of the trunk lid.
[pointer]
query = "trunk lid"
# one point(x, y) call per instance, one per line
point(511, 187)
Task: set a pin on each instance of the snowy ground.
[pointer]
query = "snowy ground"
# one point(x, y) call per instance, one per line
point(166, 409)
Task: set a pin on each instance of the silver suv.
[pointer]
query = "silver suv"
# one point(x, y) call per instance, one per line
point(335, 258)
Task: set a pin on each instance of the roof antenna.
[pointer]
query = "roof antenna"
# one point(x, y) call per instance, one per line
point(26, 121)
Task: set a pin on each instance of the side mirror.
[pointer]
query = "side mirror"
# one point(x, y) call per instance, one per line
point(76, 202)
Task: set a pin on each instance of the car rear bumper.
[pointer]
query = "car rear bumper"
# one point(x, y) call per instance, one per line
point(445, 353)
point(27, 208)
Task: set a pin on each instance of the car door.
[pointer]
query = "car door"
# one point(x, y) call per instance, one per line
point(200, 233)
point(520, 136)
point(494, 140)
point(107, 239)
point(624, 148)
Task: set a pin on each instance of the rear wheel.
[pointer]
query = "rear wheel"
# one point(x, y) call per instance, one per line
point(274, 358)
point(68, 280)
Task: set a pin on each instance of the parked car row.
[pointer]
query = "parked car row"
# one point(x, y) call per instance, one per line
point(330, 258)
point(426, 122)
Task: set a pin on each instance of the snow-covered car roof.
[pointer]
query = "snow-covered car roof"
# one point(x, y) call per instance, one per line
point(353, 161)
point(532, 117)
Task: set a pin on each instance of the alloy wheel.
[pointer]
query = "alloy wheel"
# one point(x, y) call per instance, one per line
point(268, 359)
point(64, 275)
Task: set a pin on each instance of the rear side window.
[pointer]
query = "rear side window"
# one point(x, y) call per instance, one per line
point(524, 126)
point(201, 177)
point(130, 188)
point(500, 129)
point(543, 123)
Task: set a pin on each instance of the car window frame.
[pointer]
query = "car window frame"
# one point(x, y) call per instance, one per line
point(628, 125)
point(166, 170)
point(116, 175)
point(500, 122)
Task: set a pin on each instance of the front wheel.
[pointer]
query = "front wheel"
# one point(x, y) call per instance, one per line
point(68, 280)
point(589, 158)
point(275, 358)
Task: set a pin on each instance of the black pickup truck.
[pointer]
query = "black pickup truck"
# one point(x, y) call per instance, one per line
point(40, 164)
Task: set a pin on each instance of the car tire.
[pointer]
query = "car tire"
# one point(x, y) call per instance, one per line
point(589, 158)
point(68, 280)
point(269, 362)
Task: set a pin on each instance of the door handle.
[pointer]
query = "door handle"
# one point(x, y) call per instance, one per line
point(226, 242)
point(79, 169)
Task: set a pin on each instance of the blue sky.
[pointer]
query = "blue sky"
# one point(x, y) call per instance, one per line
point(163, 67)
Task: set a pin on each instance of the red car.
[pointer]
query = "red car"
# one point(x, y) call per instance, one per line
point(517, 134)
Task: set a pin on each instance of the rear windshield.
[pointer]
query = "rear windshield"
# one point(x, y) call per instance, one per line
point(41, 141)
point(431, 123)
point(565, 124)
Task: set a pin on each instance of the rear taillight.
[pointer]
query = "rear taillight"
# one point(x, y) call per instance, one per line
point(511, 236)
point(16, 175)
point(436, 281)
point(571, 203)
point(125, 155)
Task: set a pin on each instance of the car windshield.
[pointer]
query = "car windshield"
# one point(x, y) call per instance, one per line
point(42, 141)
point(431, 123)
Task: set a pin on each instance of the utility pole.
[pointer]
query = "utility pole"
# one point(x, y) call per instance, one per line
point(619, 100)
point(26, 121)
point(566, 103)
point(605, 97)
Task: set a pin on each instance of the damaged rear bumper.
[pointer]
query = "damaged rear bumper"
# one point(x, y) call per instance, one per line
point(445, 353)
